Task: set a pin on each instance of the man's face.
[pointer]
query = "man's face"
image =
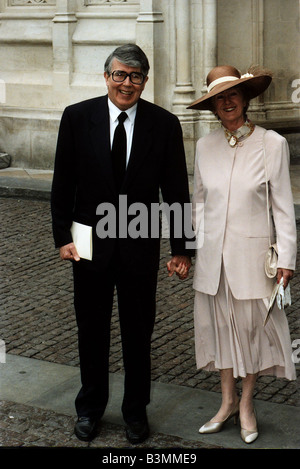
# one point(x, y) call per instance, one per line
point(125, 94)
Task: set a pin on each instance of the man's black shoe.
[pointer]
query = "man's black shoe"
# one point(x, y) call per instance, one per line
point(86, 428)
point(137, 432)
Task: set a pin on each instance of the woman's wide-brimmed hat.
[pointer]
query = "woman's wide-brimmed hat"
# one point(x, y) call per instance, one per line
point(223, 77)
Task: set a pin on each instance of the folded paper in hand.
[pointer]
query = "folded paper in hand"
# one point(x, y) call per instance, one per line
point(281, 296)
point(82, 238)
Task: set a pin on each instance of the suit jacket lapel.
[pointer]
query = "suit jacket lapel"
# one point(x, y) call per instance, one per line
point(99, 134)
point(141, 142)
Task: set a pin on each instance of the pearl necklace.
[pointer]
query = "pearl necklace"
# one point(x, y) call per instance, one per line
point(240, 134)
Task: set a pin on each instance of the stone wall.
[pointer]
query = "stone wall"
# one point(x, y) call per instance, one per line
point(52, 54)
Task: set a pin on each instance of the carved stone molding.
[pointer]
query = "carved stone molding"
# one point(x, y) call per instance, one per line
point(103, 2)
point(14, 3)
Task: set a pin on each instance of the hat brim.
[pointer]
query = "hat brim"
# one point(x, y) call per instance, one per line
point(255, 86)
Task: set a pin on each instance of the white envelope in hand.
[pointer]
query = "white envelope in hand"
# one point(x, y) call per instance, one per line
point(272, 300)
point(82, 238)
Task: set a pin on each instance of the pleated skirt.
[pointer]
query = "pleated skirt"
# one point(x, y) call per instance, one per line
point(230, 333)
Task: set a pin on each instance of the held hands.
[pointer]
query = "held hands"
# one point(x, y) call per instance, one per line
point(69, 252)
point(179, 265)
point(286, 274)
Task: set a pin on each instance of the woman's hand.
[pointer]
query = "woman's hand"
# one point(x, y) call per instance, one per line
point(286, 274)
point(179, 265)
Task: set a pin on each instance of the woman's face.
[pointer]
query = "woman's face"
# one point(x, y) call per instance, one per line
point(229, 106)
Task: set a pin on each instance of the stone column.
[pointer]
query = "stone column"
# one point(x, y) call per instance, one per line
point(64, 23)
point(184, 91)
point(147, 37)
point(257, 104)
point(205, 58)
point(210, 35)
point(207, 121)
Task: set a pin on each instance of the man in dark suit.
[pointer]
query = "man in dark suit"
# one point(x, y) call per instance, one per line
point(86, 176)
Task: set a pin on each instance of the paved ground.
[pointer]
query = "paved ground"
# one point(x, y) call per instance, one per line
point(37, 322)
point(37, 318)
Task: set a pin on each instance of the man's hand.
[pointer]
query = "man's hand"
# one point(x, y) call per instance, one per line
point(179, 265)
point(286, 274)
point(69, 252)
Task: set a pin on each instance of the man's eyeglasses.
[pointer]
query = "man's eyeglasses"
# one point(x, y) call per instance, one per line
point(136, 78)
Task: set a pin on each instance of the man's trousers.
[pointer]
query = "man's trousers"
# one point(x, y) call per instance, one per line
point(93, 300)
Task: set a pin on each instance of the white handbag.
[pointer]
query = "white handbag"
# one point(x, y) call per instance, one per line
point(271, 261)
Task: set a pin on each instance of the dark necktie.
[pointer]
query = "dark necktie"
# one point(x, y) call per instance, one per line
point(118, 151)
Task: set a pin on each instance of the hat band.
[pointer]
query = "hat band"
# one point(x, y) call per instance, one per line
point(220, 80)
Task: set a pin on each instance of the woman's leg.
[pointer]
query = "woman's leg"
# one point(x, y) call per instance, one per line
point(247, 416)
point(229, 395)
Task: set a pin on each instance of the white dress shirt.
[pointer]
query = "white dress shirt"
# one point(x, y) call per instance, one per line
point(114, 112)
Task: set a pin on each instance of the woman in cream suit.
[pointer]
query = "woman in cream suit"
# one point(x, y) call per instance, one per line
point(230, 218)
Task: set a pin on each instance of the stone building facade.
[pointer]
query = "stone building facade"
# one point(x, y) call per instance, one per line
point(52, 53)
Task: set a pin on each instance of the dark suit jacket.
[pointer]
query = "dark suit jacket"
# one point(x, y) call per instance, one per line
point(83, 176)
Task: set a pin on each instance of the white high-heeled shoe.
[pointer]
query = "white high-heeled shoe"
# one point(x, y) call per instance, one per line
point(248, 436)
point(214, 427)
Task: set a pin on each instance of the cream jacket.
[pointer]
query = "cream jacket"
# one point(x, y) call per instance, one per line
point(230, 212)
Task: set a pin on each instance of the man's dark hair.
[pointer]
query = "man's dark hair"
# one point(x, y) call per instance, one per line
point(129, 54)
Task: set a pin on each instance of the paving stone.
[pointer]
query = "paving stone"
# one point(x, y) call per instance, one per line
point(23, 426)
